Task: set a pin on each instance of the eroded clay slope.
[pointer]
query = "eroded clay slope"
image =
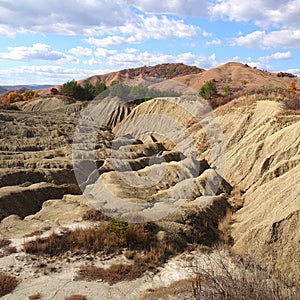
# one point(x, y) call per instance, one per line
point(263, 158)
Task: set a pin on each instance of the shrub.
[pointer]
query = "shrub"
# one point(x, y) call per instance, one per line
point(208, 90)
point(28, 94)
point(118, 226)
point(223, 277)
point(292, 103)
point(149, 259)
point(10, 250)
point(95, 215)
point(286, 74)
point(4, 243)
point(7, 284)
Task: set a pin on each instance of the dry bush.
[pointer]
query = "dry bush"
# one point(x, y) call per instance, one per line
point(292, 103)
point(95, 215)
point(224, 228)
point(93, 240)
point(76, 297)
point(236, 199)
point(35, 296)
point(147, 260)
point(4, 243)
point(7, 284)
point(112, 275)
point(10, 250)
point(220, 277)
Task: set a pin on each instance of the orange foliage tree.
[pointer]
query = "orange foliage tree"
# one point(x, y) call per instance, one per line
point(292, 86)
point(14, 97)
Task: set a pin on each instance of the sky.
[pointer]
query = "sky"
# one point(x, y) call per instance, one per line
point(51, 42)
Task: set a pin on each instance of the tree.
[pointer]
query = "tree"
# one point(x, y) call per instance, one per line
point(28, 94)
point(292, 86)
point(99, 88)
point(14, 97)
point(208, 90)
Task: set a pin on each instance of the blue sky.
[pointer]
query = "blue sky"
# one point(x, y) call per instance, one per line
point(51, 42)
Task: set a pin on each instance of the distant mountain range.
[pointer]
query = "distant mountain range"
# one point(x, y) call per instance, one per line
point(7, 88)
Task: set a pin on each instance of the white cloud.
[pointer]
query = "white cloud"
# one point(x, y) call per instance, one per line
point(6, 32)
point(37, 51)
point(214, 42)
point(276, 56)
point(206, 34)
point(294, 71)
point(128, 59)
point(46, 74)
point(147, 28)
point(108, 41)
point(64, 17)
point(263, 12)
point(273, 39)
point(102, 52)
point(195, 8)
point(81, 51)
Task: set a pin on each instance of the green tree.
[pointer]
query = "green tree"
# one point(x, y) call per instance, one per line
point(28, 94)
point(99, 88)
point(208, 90)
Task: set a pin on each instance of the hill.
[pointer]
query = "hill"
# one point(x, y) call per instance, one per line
point(236, 75)
point(164, 71)
point(182, 78)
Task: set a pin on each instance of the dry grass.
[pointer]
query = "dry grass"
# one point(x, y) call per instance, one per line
point(7, 284)
point(140, 240)
point(220, 277)
point(91, 240)
point(147, 260)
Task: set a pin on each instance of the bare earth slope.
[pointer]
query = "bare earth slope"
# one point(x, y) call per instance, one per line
point(263, 160)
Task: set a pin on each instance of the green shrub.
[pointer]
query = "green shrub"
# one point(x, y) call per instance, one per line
point(208, 90)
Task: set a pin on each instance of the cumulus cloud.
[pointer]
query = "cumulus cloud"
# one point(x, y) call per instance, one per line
point(145, 29)
point(195, 8)
point(64, 17)
point(130, 58)
point(213, 42)
point(276, 56)
point(47, 74)
point(263, 12)
point(37, 51)
point(294, 71)
point(81, 51)
point(273, 39)
point(6, 32)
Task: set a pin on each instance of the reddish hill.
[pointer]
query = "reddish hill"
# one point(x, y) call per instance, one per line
point(235, 75)
point(164, 71)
